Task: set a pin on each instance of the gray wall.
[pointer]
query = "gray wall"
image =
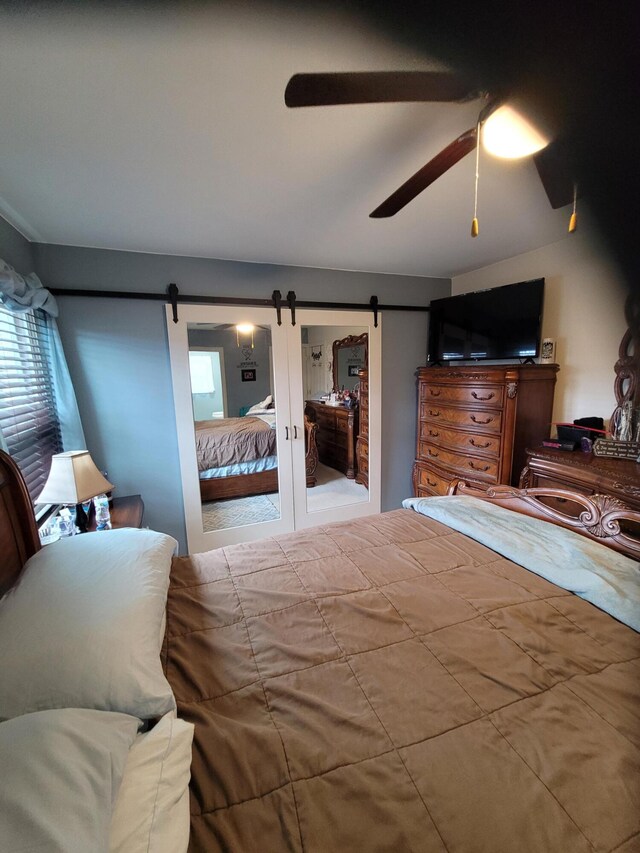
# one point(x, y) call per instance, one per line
point(119, 360)
point(15, 249)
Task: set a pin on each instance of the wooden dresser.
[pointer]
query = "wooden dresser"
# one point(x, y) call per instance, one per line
point(362, 444)
point(475, 423)
point(584, 473)
point(336, 436)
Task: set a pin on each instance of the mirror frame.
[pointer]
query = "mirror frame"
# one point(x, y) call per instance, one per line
point(343, 343)
point(626, 386)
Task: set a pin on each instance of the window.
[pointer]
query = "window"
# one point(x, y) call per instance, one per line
point(28, 417)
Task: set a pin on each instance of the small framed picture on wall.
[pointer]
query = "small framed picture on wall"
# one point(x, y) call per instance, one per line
point(249, 375)
point(353, 369)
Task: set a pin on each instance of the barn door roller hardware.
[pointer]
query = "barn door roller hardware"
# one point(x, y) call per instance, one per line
point(173, 296)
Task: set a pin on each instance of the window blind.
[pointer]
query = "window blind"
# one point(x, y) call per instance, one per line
point(28, 417)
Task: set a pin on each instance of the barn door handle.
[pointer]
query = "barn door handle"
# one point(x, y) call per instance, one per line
point(286, 433)
point(295, 431)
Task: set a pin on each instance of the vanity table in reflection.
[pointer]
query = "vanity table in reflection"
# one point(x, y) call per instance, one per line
point(336, 436)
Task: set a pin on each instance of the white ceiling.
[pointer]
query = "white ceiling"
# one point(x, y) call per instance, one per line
point(167, 132)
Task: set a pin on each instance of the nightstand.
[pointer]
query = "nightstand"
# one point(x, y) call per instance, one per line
point(126, 511)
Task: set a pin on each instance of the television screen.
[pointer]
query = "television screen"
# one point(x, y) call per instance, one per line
point(500, 323)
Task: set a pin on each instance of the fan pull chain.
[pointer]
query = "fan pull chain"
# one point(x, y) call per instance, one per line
point(573, 222)
point(474, 223)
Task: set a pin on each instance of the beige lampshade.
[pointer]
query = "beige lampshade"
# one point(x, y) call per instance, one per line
point(73, 479)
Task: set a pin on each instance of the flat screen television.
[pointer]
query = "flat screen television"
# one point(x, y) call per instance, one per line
point(500, 323)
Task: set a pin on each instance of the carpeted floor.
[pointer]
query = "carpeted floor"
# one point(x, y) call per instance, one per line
point(236, 512)
point(332, 489)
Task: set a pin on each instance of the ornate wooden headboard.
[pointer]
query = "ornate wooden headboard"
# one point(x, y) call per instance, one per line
point(19, 538)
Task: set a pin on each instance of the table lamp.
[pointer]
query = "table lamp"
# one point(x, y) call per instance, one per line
point(73, 479)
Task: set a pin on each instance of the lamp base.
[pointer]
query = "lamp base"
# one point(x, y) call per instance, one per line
point(82, 520)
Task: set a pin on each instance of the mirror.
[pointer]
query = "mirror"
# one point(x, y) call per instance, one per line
point(234, 418)
point(349, 357)
point(333, 360)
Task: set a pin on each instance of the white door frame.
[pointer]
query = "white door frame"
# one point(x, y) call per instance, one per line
point(197, 538)
point(312, 317)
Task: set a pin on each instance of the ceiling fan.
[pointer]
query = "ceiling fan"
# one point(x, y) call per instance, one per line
point(325, 89)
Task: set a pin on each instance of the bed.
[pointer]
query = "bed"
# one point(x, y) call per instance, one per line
point(237, 457)
point(93, 755)
point(392, 683)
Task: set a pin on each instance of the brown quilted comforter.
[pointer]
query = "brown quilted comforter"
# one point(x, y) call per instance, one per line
point(390, 685)
point(226, 441)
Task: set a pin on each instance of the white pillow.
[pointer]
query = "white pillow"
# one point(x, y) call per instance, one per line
point(82, 628)
point(152, 809)
point(262, 406)
point(61, 771)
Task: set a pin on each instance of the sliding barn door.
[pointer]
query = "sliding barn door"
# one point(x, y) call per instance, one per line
point(316, 368)
point(237, 477)
point(249, 469)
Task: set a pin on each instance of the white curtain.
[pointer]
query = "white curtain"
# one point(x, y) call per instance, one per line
point(20, 294)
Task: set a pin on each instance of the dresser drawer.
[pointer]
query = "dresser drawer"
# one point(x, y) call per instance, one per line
point(326, 418)
point(473, 442)
point(342, 424)
point(485, 420)
point(426, 478)
point(482, 395)
point(476, 467)
point(340, 439)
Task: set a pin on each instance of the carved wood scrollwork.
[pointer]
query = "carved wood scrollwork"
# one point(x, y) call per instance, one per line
point(627, 369)
point(600, 519)
point(512, 389)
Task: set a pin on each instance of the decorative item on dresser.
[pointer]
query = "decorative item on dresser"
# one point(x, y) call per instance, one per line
point(362, 444)
point(587, 473)
point(336, 436)
point(475, 424)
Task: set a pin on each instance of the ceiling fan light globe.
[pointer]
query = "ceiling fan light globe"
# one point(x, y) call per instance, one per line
point(508, 134)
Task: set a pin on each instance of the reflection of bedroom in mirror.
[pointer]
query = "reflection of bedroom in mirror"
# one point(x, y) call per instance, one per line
point(234, 416)
point(278, 424)
point(335, 368)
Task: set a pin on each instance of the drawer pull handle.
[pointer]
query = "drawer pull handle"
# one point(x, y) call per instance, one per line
point(432, 453)
point(433, 485)
point(433, 434)
point(476, 421)
point(480, 446)
point(434, 393)
point(476, 468)
point(434, 414)
point(477, 396)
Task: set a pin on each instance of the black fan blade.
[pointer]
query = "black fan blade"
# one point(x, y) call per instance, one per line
point(374, 87)
point(554, 169)
point(443, 161)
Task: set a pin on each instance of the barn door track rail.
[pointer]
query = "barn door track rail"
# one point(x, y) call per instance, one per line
point(174, 298)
